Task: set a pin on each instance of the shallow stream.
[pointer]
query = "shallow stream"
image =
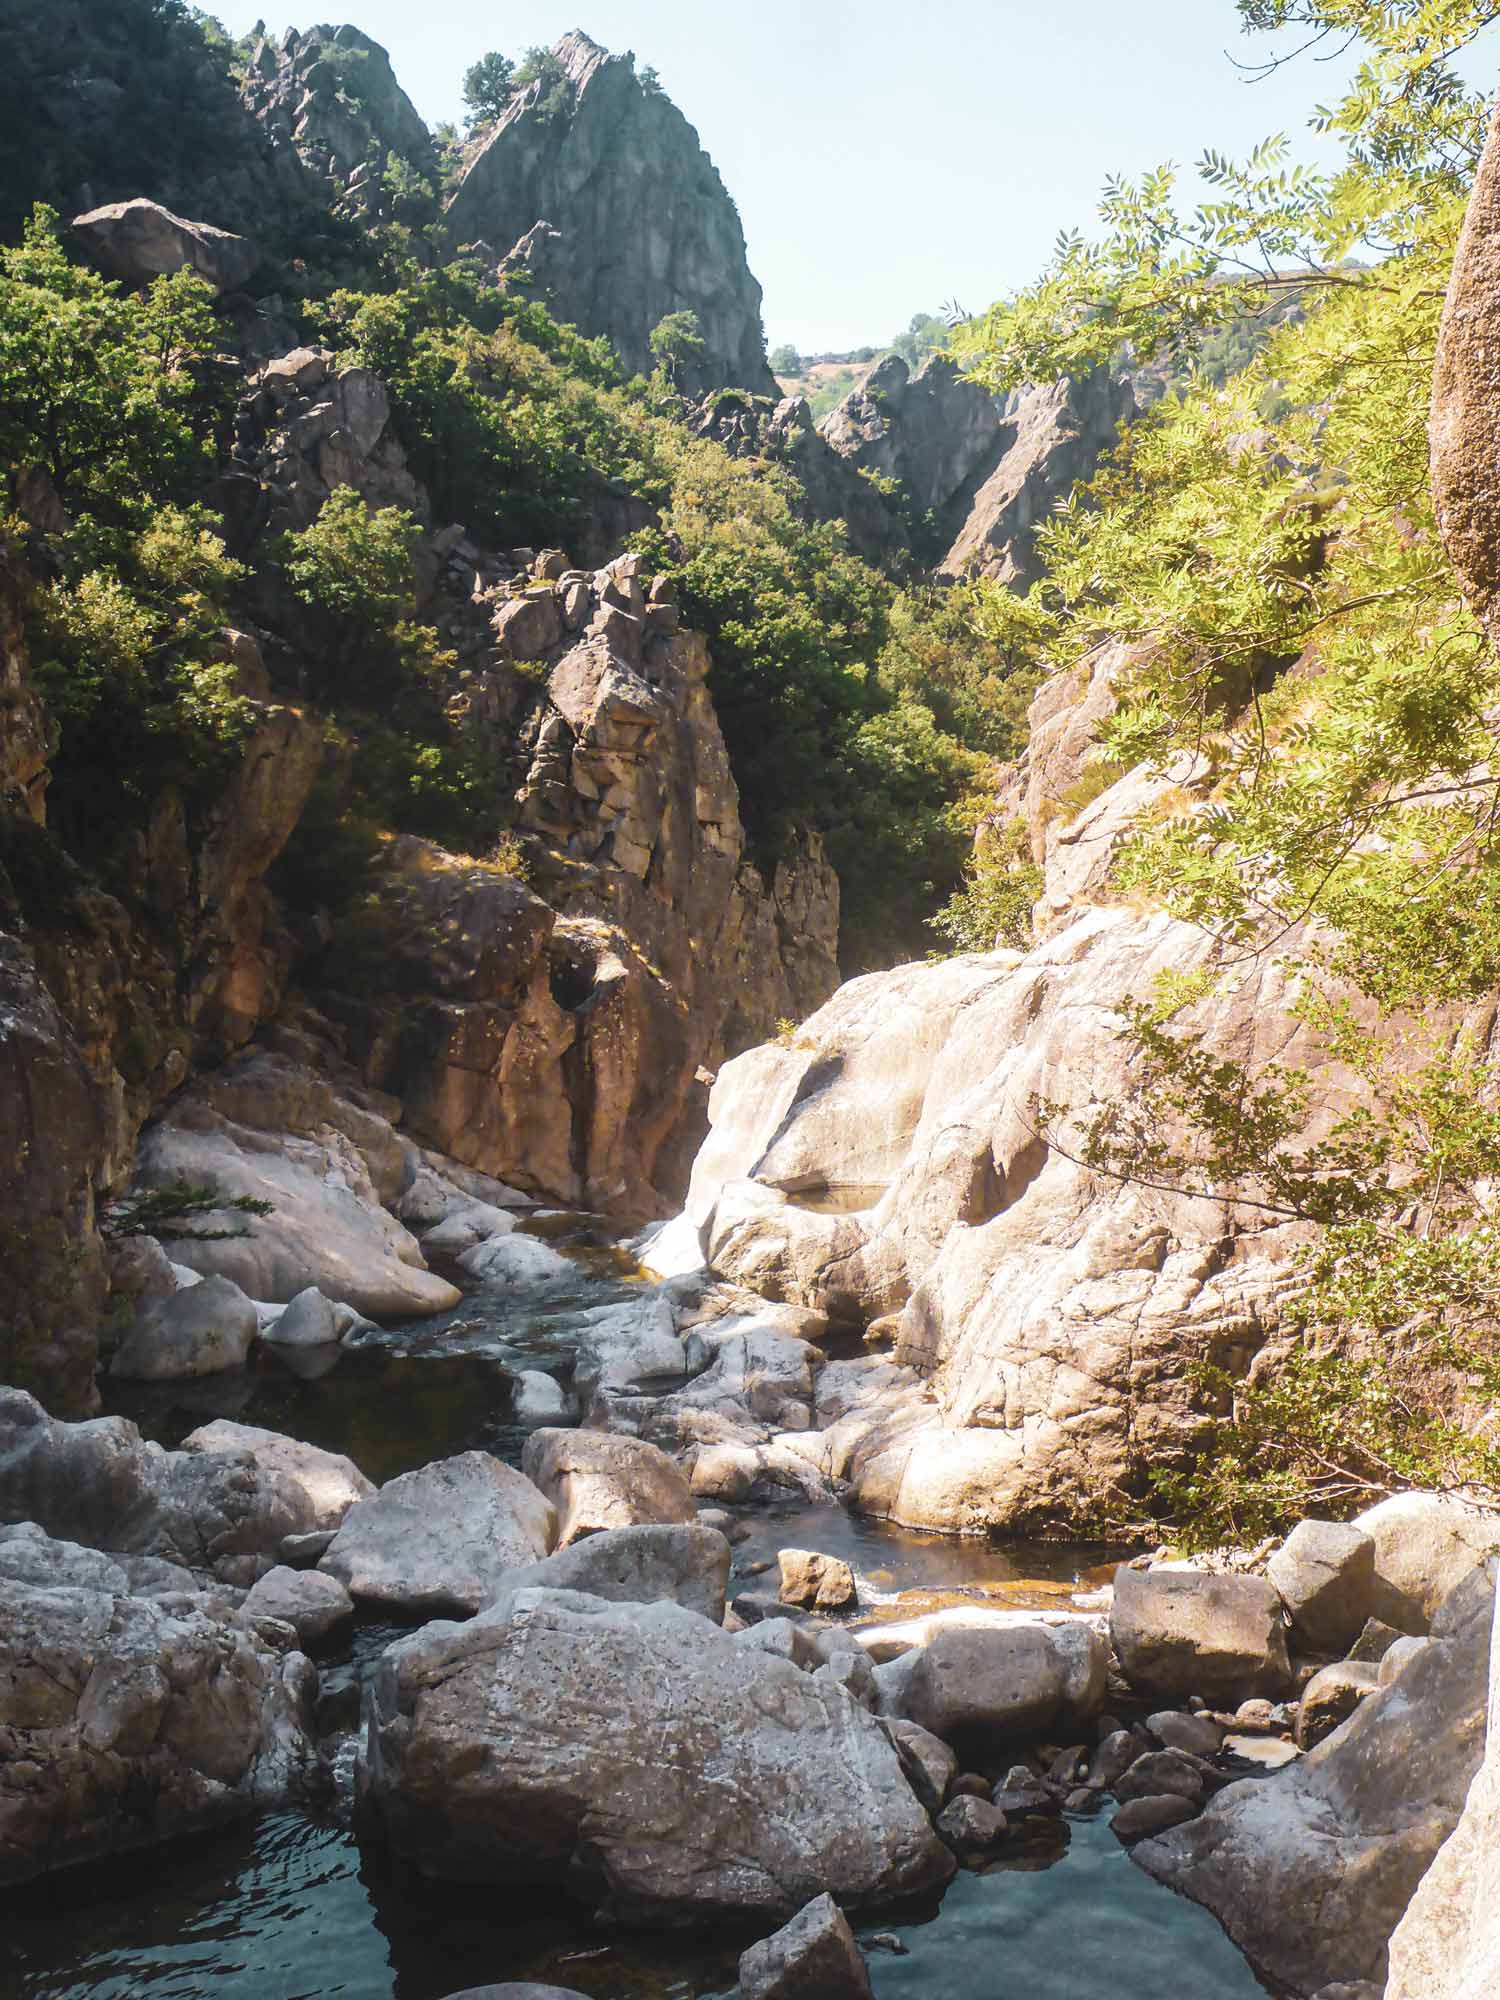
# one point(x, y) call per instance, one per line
point(287, 1907)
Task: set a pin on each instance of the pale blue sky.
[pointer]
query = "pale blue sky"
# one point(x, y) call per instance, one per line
point(888, 157)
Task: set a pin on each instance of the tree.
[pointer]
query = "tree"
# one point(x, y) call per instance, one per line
point(540, 67)
point(489, 85)
point(677, 342)
point(785, 360)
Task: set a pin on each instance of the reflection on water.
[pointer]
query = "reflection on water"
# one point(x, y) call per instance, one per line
point(287, 1908)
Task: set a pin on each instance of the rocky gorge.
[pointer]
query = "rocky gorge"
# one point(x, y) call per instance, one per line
point(521, 1376)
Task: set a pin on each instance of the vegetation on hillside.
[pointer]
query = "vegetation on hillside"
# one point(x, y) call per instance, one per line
point(1310, 675)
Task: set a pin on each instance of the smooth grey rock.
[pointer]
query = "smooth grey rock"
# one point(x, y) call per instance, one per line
point(538, 1398)
point(1160, 1773)
point(971, 1825)
point(1395, 1659)
point(814, 1957)
point(309, 1320)
point(1310, 1869)
point(599, 1479)
point(1425, 1544)
point(315, 1606)
point(1185, 1631)
point(1178, 1730)
point(998, 1683)
point(200, 1331)
point(928, 1762)
point(131, 1720)
point(1144, 1818)
point(1325, 1574)
point(330, 1483)
point(140, 240)
point(681, 1775)
point(442, 1539)
point(677, 1564)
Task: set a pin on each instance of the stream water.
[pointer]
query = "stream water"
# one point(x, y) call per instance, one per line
point(288, 1907)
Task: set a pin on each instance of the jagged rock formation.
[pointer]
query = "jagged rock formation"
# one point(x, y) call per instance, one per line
point(140, 240)
point(987, 472)
point(639, 223)
point(330, 95)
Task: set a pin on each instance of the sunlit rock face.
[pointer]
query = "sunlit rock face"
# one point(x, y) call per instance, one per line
point(637, 222)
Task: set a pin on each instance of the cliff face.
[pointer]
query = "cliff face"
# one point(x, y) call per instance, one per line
point(987, 472)
point(617, 165)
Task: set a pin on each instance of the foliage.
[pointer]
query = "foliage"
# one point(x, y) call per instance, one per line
point(171, 1213)
point(926, 335)
point(785, 360)
point(678, 344)
point(554, 86)
point(489, 85)
point(993, 907)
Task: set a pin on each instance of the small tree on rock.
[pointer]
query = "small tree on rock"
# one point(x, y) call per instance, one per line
point(488, 87)
point(677, 342)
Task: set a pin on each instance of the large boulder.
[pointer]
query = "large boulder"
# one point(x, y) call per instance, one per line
point(200, 1330)
point(988, 1684)
point(441, 1540)
point(1324, 1574)
point(651, 1565)
point(317, 1607)
point(329, 1482)
point(131, 1719)
point(140, 240)
point(1309, 1870)
point(1425, 1544)
point(640, 1757)
point(598, 1480)
point(100, 1483)
point(814, 1957)
point(1179, 1632)
point(1447, 1946)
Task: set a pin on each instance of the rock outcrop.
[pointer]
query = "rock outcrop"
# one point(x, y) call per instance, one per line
point(662, 1771)
point(987, 471)
point(1309, 1871)
point(639, 225)
point(140, 240)
point(132, 1717)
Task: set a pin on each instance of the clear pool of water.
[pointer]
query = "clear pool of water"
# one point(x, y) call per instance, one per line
point(288, 1907)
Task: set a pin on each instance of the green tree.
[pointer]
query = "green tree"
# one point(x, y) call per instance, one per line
point(678, 344)
point(785, 360)
point(489, 85)
point(542, 68)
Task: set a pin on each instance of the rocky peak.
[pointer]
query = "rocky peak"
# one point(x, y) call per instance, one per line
point(617, 165)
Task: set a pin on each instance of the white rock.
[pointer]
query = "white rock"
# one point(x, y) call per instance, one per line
point(199, 1331)
point(1425, 1543)
point(513, 1262)
point(330, 1483)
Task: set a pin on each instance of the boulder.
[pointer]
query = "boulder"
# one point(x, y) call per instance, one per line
point(686, 1565)
point(511, 1262)
point(524, 1989)
point(442, 1539)
point(140, 240)
point(100, 1483)
point(1331, 1697)
point(314, 1605)
point(200, 1331)
point(1325, 1574)
point(814, 1957)
point(1425, 1544)
point(641, 1758)
point(1310, 1869)
point(1178, 1730)
point(819, 1582)
point(1143, 1818)
point(309, 1320)
point(622, 1346)
point(1447, 1945)
point(971, 1825)
point(538, 1398)
point(993, 1685)
point(329, 1482)
point(1180, 1632)
point(1162, 1774)
point(928, 1762)
point(132, 1719)
point(598, 1480)
point(1395, 1658)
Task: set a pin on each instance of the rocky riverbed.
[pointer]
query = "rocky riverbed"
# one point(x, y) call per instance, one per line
point(658, 1720)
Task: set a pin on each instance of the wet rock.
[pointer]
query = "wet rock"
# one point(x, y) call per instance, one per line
point(598, 1480)
point(1184, 1631)
point(1161, 1773)
point(971, 1825)
point(512, 1262)
point(538, 1398)
point(995, 1685)
point(1425, 1544)
point(821, 1583)
point(620, 1347)
point(442, 1539)
point(200, 1331)
point(139, 240)
point(1331, 1697)
point(1310, 1869)
point(1325, 1574)
point(131, 1720)
point(1144, 1818)
point(1114, 1757)
point(525, 1989)
point(686, 1565)
point(316, 1606)
point(928, 1762)
point(329, 1482)
point(682, 1776)
point(814, 1957)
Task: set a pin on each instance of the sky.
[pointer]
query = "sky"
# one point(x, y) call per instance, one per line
point(888, 158)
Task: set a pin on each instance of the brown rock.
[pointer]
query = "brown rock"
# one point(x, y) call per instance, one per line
point(599, 1480)
point(814, 1957)
point(821, 1583)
